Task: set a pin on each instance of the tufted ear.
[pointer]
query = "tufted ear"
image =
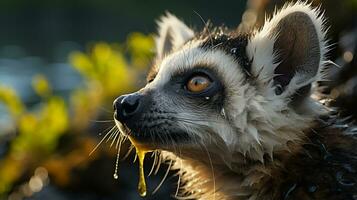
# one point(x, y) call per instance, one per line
point(172, 33)
point(289, 51)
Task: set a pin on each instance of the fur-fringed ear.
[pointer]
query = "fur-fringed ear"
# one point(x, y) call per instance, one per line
point(288, 53)
point(172, 33)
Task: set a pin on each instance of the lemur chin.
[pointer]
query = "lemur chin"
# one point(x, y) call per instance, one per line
point(235, 113)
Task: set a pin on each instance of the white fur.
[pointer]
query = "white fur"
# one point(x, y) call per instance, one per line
point(256, 121)
point(173, 29)
point(261, 46)
point(189, 57)
point(270, 107)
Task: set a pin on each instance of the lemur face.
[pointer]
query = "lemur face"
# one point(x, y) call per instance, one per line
point(183, 101)
point(227, 92)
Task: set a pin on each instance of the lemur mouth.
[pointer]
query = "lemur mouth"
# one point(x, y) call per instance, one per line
point(153, 138)
point(140, 139)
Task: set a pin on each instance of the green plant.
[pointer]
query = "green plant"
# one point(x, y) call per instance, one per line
point(108, 70)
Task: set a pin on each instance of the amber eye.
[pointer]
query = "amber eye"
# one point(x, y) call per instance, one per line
point(198, 83)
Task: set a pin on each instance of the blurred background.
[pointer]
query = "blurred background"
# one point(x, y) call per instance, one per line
point(62, 63)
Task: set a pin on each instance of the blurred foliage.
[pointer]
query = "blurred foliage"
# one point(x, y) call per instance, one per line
point(11, 100)
point(108, 70)
point(37, 131)
point(105, 64)
point(41, 86)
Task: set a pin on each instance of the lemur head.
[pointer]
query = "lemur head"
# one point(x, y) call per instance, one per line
point(229, 93)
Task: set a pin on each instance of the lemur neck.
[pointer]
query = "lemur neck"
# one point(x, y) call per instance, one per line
point(208, 181)
point(217, 181)
point(206, 178)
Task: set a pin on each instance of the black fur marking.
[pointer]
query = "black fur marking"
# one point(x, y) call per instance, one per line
point(325, 169)
point(232, 43)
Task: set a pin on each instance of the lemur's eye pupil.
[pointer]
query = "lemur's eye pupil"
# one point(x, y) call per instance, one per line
point(198, 83)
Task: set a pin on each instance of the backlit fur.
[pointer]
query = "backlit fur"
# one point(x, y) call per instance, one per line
point(240, 152)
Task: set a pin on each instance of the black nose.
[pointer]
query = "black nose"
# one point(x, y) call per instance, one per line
point(126, 106)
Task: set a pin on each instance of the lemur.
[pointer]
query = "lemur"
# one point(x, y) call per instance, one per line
point(237, 112)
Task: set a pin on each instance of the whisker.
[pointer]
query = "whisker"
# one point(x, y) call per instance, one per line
point(116, 135)
point(172, 142)
point(154, 162)
point(179, 176)
point(135, 157)
point(105, 109)
point(111, 136)
point(192, 196)
point(119, 141)
point(164, 178)
point(212, 170)
point(105, 130)
point(158, 165)
point(128, 152)
point(101, 141)
point(198, 120)
point(206, 25)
